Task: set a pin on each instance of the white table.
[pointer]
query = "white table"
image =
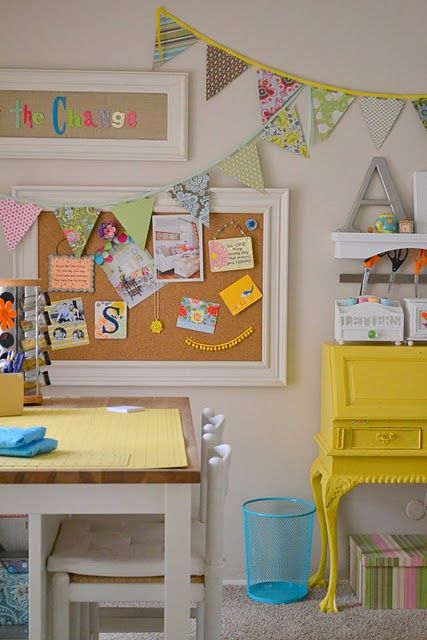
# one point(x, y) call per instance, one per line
point(48, 495)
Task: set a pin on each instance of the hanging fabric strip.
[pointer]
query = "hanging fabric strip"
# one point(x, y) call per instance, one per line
point(286, 131)
point(420, 107)
point(171, 40)
point(380, 115)
point(135, 217)
point(221, 70)
point(16, 219)
point(329, 107)
point(193, 195)
point(274, 92)
point(77, 224)
point(244, 165)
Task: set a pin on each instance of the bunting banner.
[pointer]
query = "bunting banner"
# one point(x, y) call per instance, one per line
point(420, 107)
point(77, 224)
point(380, 115)
point(171, 40)
point(274, 92)
point(16, 219)
point(193, 195)
point(244, 165)
point(221, 70)
point(329, 107)
point(285, 130)
point(135, 217)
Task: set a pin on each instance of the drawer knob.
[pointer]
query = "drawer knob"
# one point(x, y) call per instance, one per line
point(386, 436)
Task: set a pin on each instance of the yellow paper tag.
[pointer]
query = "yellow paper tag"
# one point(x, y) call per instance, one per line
point(240, 295)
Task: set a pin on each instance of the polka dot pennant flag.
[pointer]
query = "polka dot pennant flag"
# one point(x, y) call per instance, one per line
point(380, 115)
point(274, 91)
point(173, 41)
point(221, 69)
point(16, 219)
point(420, 107)
point(193, 195)
point(244, 165)
point(285, 130)
point(329, 107)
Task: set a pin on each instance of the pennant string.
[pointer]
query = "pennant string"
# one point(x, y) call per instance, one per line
point(280, 72)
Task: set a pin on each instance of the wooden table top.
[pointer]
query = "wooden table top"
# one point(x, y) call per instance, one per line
point(189, 474)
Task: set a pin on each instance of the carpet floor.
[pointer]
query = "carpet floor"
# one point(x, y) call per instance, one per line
point(244, 619)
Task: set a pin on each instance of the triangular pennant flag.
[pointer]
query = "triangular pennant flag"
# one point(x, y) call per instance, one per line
point(77, 224)
point(329, 107)
point(244, 165)
point(420, 107)
point(171, 41)
point(135, 217)
point(274, 91)
point(380, 115)
point(221, 69)
point(193, 195)
point(285, 130)
point(16, 218)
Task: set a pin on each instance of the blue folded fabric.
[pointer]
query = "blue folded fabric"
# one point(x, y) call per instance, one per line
point(31, 449)
point(17, 436)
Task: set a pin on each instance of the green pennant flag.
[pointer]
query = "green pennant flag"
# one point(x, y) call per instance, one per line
point(135, 217)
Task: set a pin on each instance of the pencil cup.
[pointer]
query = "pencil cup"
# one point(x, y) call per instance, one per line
point(11, 394)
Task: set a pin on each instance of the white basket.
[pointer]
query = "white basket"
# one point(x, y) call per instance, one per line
point(415, 310)
point(368, 322)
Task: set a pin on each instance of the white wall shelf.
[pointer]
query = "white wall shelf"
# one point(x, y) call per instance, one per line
point(364, 245)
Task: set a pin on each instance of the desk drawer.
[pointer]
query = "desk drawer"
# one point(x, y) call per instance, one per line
point(384, 438)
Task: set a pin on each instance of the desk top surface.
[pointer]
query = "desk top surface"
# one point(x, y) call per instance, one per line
point(189, 474)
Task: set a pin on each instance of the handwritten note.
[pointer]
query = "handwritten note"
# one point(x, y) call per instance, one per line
point(231, 254)
point(67, 273)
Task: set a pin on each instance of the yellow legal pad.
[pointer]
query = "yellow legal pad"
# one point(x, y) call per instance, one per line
point(150, 439)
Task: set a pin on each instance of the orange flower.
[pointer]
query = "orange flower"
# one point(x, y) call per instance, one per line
point(7, 315)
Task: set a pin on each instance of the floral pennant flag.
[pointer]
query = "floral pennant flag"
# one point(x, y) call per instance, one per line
point(193, 195)
point(221, 69)
point(16, 219)
point(244, 165)
point(420, 107)
point(171, 40)
point(329, 107)
point(380, 115)
point(285, 130)
point(136, 218)
point(274, 91)
point(77, 224)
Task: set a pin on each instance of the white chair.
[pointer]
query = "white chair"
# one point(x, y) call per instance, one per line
point(121, 559)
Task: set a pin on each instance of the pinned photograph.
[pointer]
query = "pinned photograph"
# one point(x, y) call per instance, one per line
point(110, 320)
point(178, 248)
point(197, 315)
point(67, 324)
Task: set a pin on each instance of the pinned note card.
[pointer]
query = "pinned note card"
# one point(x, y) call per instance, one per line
point(110, 319)
point(67, 273)
point(240, 295)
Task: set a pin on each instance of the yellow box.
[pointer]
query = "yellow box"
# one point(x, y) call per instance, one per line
point(11, 394)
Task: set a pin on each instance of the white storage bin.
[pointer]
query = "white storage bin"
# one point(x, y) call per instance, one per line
point(415, 310)
point(368, 322)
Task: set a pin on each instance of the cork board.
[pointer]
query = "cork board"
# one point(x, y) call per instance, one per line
point(84, 115)
point(141, 344)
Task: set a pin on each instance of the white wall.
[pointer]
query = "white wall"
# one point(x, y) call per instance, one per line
point(357, 43)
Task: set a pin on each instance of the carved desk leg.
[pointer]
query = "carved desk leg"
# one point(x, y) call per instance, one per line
point(333, 488)
point(318, 579)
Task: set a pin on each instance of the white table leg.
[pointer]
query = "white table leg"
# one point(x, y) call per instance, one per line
point(177, 561)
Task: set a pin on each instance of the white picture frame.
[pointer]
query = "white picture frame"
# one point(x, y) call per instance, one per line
point(270, 371)
point(178, 257)
point(175, 85)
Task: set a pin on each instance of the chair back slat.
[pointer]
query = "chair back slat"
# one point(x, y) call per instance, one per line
point(219, 458)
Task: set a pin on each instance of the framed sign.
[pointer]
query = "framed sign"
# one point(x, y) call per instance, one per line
point(93, 115)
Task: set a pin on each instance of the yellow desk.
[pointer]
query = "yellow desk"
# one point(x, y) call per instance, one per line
point(373, 430)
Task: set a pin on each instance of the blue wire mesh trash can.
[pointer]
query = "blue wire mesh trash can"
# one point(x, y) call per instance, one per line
point(278, 534)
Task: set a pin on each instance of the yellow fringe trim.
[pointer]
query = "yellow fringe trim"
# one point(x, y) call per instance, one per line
point(279, 72)
point(223, 345)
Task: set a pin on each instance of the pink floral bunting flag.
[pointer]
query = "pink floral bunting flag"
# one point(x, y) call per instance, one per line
point(193, 195)
point(16, 219)
point(274, 91)
point(221, 69)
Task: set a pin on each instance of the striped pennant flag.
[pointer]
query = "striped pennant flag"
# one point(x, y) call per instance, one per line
point(221, 69)
point(171, 40)
point(380, 115)
point(244, 165)
point(285, 130)
point(329, 107)
point(420, 107)
point(193, 195)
